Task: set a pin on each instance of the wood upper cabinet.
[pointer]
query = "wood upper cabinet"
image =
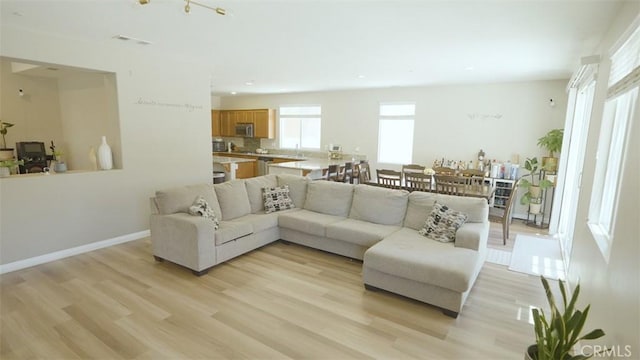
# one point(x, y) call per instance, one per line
point(263, 120)
point(216, 129)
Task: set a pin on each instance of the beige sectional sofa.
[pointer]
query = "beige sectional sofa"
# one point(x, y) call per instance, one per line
point(377, 225)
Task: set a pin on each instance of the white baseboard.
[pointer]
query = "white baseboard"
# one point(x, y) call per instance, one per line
point(37, 260)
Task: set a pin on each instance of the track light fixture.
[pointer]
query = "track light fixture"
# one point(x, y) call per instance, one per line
point(187, 6)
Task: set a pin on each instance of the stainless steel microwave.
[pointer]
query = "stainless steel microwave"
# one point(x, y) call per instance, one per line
point(244, 130)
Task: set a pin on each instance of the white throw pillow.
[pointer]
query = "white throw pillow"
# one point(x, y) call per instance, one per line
point(201, 207)
point(442, 223)
point(276, 199)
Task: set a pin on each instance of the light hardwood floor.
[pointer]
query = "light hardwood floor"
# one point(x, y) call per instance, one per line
point(280, 301)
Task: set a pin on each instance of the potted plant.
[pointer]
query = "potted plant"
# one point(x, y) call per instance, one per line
point(533, 195)
point(552, 142)
point(557, 336)
point(7, 165)
point(5, 153)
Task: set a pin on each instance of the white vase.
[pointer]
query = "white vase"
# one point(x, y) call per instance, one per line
point(105, 158)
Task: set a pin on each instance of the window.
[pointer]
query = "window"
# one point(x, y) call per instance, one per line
point(395, 133)
point(300, 127)
point(619, 109)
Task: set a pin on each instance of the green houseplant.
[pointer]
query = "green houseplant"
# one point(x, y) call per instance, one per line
point(552, 142)
point(533, 185)
point(5, 153)
point(7, 165)
point(557, 335)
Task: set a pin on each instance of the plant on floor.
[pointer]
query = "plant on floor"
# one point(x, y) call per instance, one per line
point(534, 185)
point(556, 336)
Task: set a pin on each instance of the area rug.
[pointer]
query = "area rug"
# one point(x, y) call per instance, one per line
point(500, 257)
point(537, 256)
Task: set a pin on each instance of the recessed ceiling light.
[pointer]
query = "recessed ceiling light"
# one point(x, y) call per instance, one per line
point(249, 83)
point(469, 68)
point(361, 76)
point(233, 93)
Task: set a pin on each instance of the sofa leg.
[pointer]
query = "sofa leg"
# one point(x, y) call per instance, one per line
point(450, 313)
point(370, 288)
point(200, 273)
point(158, 258)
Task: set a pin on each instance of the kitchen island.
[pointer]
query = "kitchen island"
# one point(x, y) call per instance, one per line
point(312, 168)
point(234, 167)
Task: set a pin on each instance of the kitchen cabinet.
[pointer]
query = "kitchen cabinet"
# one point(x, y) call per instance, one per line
point(216, 129)
point(245, 170)
point(263, 120)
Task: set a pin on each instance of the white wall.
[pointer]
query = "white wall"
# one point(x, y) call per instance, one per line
point(453, 122)
point(165, 123)
point(611, 288)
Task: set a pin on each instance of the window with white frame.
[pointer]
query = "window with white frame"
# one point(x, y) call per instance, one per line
point(300, 127)
point(395, 133)
point(620, 107)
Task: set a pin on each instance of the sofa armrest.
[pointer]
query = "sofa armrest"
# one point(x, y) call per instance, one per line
point(472, 236)
point(184, 239)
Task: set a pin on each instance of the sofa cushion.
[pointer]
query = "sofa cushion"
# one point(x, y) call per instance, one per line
point(359, 232)
point(201, 208)
point(297, 187)
point(419, 207)
point(254, 190)
point(308, 222)
point(180, 198)
point(442, 223)
point(232, 230)
point(477, 209)
point(261, 221)
point(329, 197)
point(233, 199)
point(277, 199)
point(379, 205)
point(406, 254)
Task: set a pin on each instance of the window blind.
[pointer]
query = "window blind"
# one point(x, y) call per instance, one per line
point(625, 65)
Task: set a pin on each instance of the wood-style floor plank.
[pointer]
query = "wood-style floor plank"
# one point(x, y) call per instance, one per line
point(280, 301)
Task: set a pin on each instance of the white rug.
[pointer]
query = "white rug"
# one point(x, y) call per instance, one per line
point(500, 257)
point(537, 256)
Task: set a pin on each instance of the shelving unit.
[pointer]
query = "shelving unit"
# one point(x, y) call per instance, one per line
point(503, 188)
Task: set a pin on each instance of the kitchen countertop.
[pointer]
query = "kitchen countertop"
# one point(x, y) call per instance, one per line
point(229, 160)
point(269, 155)
point(310, 164)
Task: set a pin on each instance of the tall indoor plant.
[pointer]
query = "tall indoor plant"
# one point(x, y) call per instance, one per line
point(557, 336)
point(5, 153)
point(534, 185)
point(552, 142)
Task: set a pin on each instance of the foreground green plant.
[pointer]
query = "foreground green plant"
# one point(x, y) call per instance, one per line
point(557, 336)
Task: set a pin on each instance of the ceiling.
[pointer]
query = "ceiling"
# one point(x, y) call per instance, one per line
point(269, 46)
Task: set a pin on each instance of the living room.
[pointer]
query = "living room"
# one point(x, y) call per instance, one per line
point(164, 147)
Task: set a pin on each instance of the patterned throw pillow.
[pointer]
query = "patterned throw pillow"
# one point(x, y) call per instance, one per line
point(277, 198)
point(201, 207)
point(442, 223)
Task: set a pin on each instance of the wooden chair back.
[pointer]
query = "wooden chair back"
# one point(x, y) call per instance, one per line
point(364, 172)
point(346, 172)
point(418, 181)
point(332, 173)
point(475, 177)
point(389, 178)
point(440, 170)
point(504, 215)
point(451, 185)
point(413, 169)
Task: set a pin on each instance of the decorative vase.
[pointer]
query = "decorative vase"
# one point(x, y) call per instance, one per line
point(93, 158)
point(535, 191)
point(531, 350)
point(534, 209)
point(4, 171)
point(104, 155)
point(60, 167)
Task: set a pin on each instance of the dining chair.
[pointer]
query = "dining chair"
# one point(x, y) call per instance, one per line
point(451, 185)
point(418, 181)
point(389, 178)
point(346, 173)
point(413, 169)
point(364, 172)
point(505, 215)
point(332, 173)
point(475, 177)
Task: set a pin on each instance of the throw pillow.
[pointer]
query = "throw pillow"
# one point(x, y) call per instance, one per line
point(277, 198)
point(442, 223)
point(201, 207)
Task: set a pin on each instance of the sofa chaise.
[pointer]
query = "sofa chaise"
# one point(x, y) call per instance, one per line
point(376, 225)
